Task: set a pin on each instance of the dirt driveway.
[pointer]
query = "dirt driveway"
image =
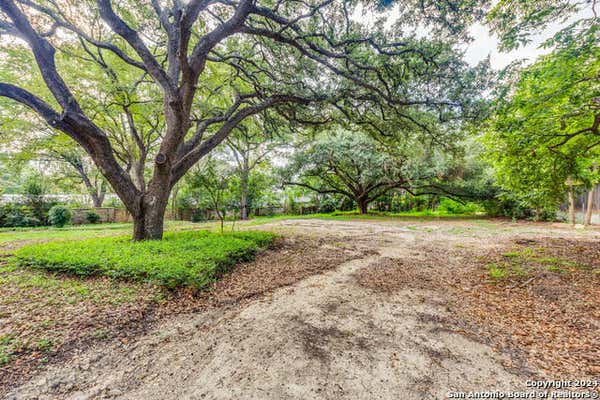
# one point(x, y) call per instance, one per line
point(333, 335)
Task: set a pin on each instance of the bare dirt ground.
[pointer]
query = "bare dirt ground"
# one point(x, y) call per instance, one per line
point(410, 313)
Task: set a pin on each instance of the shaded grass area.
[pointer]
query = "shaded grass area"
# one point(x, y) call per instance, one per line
point(13, 238)
point(40, 310)
point(191, 258)
point(377, 216)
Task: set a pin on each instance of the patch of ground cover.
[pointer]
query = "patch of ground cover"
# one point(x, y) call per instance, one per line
point(47, 318)
point(191, 258)
point(13, 238)
point(540, 300)
point(533, 261)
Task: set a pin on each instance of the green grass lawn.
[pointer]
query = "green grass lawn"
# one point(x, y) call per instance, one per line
point(187, 258)
point(12, 237)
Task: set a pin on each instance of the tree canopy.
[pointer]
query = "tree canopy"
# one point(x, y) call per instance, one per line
point(108, 68)
point(353, 164)
point(544, 132)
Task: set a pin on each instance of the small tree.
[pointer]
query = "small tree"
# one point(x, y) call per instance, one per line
point(33, 190)
point(546, 123)
point(210, 185)
point(250, 144)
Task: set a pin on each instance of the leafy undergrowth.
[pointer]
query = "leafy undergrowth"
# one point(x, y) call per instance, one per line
point(538, 299)
point(14, 238)
point(47, 317)
point(193, 259)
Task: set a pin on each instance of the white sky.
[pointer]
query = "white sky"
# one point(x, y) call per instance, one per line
point(485, 44)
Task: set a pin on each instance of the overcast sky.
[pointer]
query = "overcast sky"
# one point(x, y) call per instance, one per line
point(485, 44)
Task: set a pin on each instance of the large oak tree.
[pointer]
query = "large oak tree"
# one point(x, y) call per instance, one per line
point(214, 63)
point(354, 165)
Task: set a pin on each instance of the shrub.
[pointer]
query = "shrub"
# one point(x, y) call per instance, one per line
point(16, 215)
point(449, 206)
point(505, 207)
point(14, 219)
point(198, 215)
point(31, 221)
point(59, 216)
point(327, 205)
point(92, 217)
point(192, 258)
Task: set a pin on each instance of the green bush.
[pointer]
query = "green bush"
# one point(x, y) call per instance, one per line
point(92, 217)
point(14, 215)
point(31, 221)
point(504, 207)
point(198, 215)
point(14, 219)
point(327, 205)
point(508, 206)
point(453, 207)
point(59, 216)
point(190, 258)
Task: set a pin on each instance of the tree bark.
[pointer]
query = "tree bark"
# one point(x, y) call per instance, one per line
point(148, 217)
point(363, 206)
point(590, 208)
point(571, 204)
point(97, 200)
point(244, 192)
point(175, 192)
point(138, 175)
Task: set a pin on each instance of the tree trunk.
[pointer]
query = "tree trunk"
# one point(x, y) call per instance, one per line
point(363, 206)
point(244, 192)
point(174, 202)
point(138, 174)
point(148, 220)
point(96, 199)
point(571, 204)
point(221, 219)
point(102, 193)
point(590, 207)
point(96, 195)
